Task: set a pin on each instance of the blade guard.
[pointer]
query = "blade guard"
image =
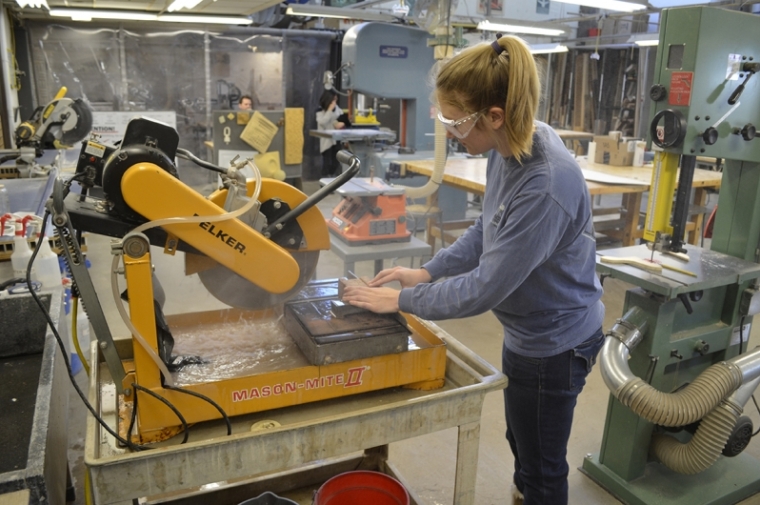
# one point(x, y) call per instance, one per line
point(155, 194)
point(312, 221)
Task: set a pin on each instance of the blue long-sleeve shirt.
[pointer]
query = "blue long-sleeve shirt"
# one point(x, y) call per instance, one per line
point(530, 256)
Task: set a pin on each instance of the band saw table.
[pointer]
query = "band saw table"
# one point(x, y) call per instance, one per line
point(362, 142)
point(300, 446)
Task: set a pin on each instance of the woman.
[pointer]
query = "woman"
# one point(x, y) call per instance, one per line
point(530, 258)
point(328, 119)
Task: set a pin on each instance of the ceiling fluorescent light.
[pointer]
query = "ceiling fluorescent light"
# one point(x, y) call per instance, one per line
point(182, 4)
point(644, 39)
point(35, 4)
point(510, 28)
point(610, 5)
point(192, 18)
point(322, 11)
point(90, 14)
point(547, 48)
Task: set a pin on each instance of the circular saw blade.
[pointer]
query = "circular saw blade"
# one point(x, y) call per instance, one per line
point(76, 128)
point(236, 291)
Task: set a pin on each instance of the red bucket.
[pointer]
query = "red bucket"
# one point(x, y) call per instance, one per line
point(362, 487)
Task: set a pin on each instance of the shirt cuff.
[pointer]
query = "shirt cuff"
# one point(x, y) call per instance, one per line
point(435, 268)
point(405, 300)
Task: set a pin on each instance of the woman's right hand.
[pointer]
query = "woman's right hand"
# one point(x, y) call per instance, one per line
point(408, 277)
point(332, 105)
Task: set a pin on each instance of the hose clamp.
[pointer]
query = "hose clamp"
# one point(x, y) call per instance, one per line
point(628, 333)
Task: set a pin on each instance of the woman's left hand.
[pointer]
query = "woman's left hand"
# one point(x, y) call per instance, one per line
point(379, 300)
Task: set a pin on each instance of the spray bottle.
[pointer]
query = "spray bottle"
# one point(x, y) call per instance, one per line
point(6, 218)
point(21, 251)
point(46, 262)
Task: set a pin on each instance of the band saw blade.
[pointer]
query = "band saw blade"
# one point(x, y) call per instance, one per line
point(236, 291)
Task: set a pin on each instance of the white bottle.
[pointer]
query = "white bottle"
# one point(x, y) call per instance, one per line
point(5, 203)
point(46, 264)
point(21, 254)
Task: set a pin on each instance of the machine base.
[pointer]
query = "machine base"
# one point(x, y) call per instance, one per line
point(728, 481)
point(252, 364)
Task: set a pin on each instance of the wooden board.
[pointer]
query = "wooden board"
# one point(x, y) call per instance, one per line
point(294, 119)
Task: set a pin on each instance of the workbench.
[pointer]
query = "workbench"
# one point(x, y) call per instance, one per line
point(573, 135)
point(470, 175)
point(304, 445)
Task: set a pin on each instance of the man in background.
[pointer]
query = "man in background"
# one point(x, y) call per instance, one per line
point(245, 103)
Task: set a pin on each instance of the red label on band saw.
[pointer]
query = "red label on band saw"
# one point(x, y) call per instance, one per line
point(680, 88)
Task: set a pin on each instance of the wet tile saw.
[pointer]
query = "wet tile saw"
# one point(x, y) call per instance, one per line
point(254, 245)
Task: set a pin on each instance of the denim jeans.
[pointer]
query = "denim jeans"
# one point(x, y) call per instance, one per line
point(539, 402)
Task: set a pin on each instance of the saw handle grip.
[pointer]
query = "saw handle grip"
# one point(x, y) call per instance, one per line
point(344, 157)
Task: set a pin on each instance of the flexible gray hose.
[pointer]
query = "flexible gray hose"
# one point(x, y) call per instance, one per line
point(704, 448)
point(686, 406)
point(683, 407)
point(717, 397)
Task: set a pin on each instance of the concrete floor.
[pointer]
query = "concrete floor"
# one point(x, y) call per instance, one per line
point(427, 463)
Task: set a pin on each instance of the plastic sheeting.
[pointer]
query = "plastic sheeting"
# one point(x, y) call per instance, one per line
point(188, 72)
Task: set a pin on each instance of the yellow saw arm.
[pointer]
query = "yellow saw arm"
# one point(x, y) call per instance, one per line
point(156, 194)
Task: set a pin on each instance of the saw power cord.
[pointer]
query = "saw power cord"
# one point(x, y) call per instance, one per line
point(64, 352)
point(162, 400)
point(206, 399)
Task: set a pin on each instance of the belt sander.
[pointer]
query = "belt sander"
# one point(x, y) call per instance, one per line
point(255, 245)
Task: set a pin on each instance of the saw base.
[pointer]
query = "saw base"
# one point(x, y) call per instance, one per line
point(252, 364)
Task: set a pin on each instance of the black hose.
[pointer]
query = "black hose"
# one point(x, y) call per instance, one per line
point(207, 399)
point(8, 157)
point(168, 404)
point(187, 155)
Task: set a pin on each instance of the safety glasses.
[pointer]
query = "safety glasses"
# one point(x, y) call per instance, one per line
point(460, 128)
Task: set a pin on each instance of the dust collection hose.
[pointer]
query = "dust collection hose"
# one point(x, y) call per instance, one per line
point(698, 400)
point(439, 165)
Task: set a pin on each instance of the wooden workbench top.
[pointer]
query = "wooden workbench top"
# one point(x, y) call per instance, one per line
point(470, 174)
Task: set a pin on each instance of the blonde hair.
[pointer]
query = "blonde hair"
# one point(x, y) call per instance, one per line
point(479, 78)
